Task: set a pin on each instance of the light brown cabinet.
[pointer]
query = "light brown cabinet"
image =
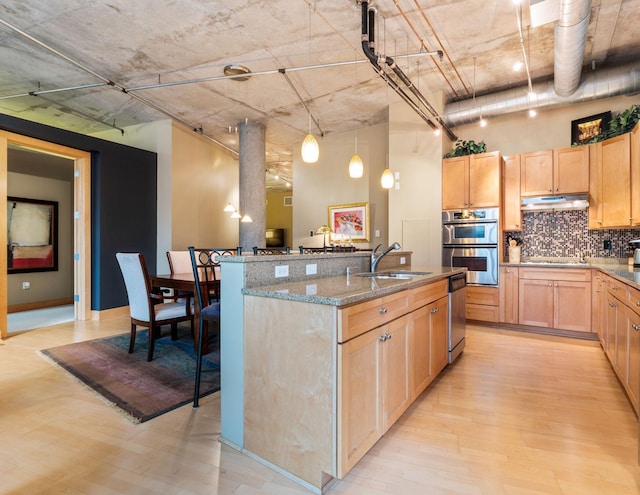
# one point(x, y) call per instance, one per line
point(511, 212)
point(598, 306)
point(385, 362)
point(429, 351)
point(509, 286)
point(483, 303)
point(558, 171)
point(471, 181)
point(610, 188)
point(555, 298)
point(635, 175)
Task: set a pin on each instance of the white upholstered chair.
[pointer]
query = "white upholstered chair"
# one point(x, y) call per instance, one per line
point(146, 308)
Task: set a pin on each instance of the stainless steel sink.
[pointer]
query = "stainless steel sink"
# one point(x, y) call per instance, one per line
point(396, 274)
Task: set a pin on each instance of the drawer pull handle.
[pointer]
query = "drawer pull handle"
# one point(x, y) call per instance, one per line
point(383, 311)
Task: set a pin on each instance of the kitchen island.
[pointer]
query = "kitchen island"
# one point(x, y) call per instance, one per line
point(328, 364)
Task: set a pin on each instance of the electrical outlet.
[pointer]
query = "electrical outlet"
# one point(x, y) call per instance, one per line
point(311, 233)
point(607, 244)
point(312, 269)
point(403, 260)
point(26, 285)
point(282, 271)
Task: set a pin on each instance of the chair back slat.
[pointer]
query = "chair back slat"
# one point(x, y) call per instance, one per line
point(206, 268)
point(312, 250)
point(270, 251)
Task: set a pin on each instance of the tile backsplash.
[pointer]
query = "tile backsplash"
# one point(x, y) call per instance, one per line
point(565, 234)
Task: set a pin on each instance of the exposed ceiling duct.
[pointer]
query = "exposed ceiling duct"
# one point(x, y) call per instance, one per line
point(368, 47)
point(596, 85)
point(570, 34)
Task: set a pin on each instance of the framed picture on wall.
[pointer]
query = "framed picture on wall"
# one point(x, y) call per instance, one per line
point(585, 129)
point(32, 235)
point(349, 222)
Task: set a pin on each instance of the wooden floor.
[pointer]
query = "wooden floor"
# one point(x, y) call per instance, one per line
point(516, 414)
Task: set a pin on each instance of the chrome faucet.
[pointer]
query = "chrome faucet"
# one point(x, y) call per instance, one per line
point(375, 260)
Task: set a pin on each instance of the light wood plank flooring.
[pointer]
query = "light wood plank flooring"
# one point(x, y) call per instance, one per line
point(517, 414)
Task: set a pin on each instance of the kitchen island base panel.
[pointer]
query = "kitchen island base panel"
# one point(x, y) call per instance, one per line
point(290, 347)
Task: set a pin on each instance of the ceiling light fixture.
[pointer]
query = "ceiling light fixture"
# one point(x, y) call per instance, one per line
point(310, 149)
point(387, 179)
point(246, 219)
point(356, 167)
point(229, 208)
point(236, 214)
point(237, 72)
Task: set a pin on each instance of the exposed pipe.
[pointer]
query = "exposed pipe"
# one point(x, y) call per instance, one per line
point(570, 35)
point(368, 44)
point(596, 85)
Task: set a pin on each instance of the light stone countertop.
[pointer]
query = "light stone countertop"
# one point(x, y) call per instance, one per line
point(345, 290)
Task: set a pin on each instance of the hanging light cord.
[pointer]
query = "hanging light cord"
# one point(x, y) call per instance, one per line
point(295, 90)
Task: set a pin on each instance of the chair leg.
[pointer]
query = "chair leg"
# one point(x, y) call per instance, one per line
point(152, 340)
point(174, 331)
point(196, 392)
point(132, 339)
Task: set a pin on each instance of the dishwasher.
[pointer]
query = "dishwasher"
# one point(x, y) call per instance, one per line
point(457, 315)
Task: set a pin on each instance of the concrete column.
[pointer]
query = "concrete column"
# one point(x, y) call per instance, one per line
point(253, 192)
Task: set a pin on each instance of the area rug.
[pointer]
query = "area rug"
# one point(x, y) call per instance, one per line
point(140, 390)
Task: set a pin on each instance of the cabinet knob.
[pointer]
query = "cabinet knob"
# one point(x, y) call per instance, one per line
point(635, 327)
point(388, 336)
point(638, 303)
point(383, 311)
point(382, 338)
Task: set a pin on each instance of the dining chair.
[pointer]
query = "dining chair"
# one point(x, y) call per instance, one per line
point(146, 308)
point(205, 268)
point(269, 251)
point(180, 262)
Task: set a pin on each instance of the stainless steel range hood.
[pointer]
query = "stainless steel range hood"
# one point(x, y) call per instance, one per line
point(557, 202)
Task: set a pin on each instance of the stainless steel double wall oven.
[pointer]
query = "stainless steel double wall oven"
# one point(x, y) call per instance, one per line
point(470, 240)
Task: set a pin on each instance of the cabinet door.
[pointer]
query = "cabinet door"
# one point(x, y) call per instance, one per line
point(395, 371)
point(455, 183)
point(633, 377)
point(509, 294)
point(571, 170)
point(597, 307)
point(536, 169)
point(615, 154)
point(511, 212)
point(612, 323)
point(535, 303)
point(484, 180)
point(635, 175)
point(360, 422)
point(421, 375)
point(595, 186)
point(572, 305)
point(439, 313)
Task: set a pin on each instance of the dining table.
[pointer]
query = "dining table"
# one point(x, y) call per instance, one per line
point(185, 282)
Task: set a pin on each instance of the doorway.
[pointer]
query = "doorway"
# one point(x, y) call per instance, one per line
point(81, 220)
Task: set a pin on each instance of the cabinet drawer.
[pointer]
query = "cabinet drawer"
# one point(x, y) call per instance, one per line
point(428, 293)
point(489, 296)
point(618, 290)
point(482, 313)
point(633, 299)
point(359, 318)
point(569, 274)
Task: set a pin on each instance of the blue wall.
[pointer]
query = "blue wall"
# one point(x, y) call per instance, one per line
point(123, 204)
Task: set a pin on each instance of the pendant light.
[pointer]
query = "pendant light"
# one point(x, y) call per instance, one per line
point(310, 149)
point(356, 167)
point(387, 179)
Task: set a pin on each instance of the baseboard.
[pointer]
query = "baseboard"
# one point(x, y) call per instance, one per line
point(110, 313)
point(17, 308)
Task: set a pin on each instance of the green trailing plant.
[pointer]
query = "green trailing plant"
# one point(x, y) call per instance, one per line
point(463, 148)
point(621, 123)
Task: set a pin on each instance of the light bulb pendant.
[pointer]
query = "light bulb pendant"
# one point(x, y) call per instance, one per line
point(310, 149)
point(387, 179)
point(356, 167)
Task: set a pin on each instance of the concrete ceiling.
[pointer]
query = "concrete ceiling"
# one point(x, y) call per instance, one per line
point(110, 51)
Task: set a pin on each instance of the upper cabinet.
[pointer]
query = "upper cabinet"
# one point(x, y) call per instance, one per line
point(558, 171)
point(471, 181)
point(511, 212)
point(610, 192)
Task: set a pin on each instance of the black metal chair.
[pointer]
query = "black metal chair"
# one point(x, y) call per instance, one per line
point(312, 250)
point(206, 270)
point(270, 251)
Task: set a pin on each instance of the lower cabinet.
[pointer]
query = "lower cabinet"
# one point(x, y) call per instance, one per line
point(383, 370)
point(555, 298)
point(483, 303)
point(509, 294)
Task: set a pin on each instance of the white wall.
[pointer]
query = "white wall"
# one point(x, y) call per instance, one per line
point(317, 186)
point(551, 128)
